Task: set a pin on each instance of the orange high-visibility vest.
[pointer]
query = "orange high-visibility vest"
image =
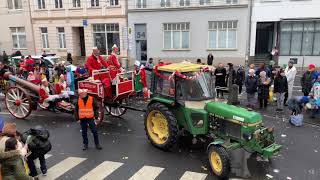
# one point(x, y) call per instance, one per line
point(86, 110)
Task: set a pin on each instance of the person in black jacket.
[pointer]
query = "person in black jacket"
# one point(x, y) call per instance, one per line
point(38, 142)
point(251, 83)
point(263, 89)
point(220, 74)
point(240, 77)
point(210, 59)
point(307, 80)
point(280, 89)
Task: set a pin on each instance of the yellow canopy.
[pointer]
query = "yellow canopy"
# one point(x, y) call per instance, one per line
point(182, 67)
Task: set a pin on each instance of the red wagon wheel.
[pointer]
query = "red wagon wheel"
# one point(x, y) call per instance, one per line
point(116, 111)
point(18, 102)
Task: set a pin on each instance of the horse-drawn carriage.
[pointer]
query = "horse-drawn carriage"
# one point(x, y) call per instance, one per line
point(112, 94)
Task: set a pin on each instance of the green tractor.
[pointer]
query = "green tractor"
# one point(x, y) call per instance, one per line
point(184, 102)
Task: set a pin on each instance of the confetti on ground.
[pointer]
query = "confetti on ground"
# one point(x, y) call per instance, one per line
point(276, 170)
point(204, 168)
point(283, 135)
point(315, 150)
point(129, 130)
point(104, 133)
point(269, 176)
point(289, 178)
point(125, 157)
point(68, 125)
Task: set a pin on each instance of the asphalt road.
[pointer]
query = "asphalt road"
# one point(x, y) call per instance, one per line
point(129, 154)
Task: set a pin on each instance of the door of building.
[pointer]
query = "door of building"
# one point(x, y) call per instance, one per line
point(141, 42)
point(264, 38)
point(82, 42)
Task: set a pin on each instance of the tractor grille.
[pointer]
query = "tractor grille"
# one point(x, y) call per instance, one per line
point(229, 128)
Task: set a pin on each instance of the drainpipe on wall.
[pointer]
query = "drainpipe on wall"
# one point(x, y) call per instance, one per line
point(127, 24)
point(30, 19)
point(249, 32)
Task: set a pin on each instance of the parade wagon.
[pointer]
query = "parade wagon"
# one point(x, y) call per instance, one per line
point(183, 103)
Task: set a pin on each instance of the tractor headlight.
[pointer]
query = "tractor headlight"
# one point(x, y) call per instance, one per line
point(247, 136)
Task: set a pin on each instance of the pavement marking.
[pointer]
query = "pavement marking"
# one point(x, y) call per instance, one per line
point(147, 173)
point(62, 167)
point(47, 156)
point(188, 175)
point(102, 171)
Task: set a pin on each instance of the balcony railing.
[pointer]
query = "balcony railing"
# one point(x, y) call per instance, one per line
point(156, 4)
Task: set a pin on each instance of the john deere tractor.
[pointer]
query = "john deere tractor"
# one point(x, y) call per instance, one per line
point(183, 101)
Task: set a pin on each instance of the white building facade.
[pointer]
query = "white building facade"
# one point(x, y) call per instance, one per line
point(16, 30)
point(290, 25)
point(176, 30)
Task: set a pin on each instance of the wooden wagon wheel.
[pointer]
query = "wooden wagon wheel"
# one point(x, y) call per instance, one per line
point(116, 111)
point(18, 102)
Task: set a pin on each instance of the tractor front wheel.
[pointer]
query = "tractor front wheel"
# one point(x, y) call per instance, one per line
point(219, 161)
point(161, 126)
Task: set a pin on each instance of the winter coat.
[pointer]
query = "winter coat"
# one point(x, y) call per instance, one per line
point(240, 76)
point(280, 84)
point(12, 166)
point(251, 84)
point(307, 82)
point(210, 59)
point(290, 74)
point(39, 143)
point(231, 79)
point(263, 89)
point(315, 90)
point(220, 74)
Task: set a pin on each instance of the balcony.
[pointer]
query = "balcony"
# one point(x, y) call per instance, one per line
point(141, 5)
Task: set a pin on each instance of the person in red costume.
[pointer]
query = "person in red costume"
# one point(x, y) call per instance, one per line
point(30, 64)
point(112, 61)
point(95, 61)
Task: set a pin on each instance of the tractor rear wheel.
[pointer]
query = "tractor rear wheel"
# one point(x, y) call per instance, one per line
point(219, 161)
point(161, 126)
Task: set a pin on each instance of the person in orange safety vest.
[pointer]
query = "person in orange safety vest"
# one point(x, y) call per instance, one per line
point(85, 112)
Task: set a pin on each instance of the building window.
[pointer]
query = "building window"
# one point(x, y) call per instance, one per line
point(232, 1)
point(223, 34)
point(165, 3)
point(105, 36)
point(204, 2)
point(141, 3)
point(58, 3)
point(300, 38)
point(61, 37)
point(94, 3)
point(18, 37)
point(76, 3)
point(184, 2)
point(14, 4)
point(176, 35)
point(44, 37)
point(114, 2)
point(41, 4)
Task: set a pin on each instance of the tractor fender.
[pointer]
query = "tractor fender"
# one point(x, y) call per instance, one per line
point(167, 102)
point(218, 142)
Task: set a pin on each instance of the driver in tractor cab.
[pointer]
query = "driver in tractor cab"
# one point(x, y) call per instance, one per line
point(95, 61)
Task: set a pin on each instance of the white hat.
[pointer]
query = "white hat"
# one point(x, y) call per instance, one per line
point(114, 46)
point(95, 48)
point(137, 63)
point(82, 90)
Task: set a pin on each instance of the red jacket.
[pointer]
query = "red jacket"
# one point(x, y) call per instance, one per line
point(94, 64)
point(114, 65)
point(143, 77)
point(30, 64)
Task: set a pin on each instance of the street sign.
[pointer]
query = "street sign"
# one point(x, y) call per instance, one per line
point(85, 22)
